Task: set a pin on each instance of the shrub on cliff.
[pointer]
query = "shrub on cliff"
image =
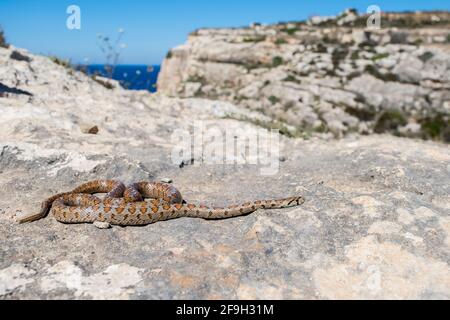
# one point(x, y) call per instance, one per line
point(3, 42)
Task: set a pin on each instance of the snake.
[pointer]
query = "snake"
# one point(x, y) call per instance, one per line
point(139, 203)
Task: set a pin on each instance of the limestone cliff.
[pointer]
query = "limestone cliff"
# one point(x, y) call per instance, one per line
point(328, 74)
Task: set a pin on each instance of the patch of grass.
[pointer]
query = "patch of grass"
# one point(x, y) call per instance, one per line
point(354, 55)
point(277, 61)
point(280, 41)
point(290, 31)
point(380, 56)
point(436, 127)
point(255, 39)
point(382, 76)
point(364, 114)
point(426, 56)
point(3, 42)
point(338, 55)
point(169, 54)
point(61, 62)
point(291, 78)
point(390, 121)
point(274, 99)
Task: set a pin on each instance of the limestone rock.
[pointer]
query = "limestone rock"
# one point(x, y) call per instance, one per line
point(302, 66)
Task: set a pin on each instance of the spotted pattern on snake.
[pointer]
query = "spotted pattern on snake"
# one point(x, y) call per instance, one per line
point(127, 205)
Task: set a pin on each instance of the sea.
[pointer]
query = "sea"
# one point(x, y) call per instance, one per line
point(132, 77)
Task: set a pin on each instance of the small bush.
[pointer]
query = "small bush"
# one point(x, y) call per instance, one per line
point(277, 61)
point(290, 31)
point(380, 56)
point(382, 76)
point(355, 55)
point(274, 99)
point(61, 62)
point(255, 39)
point(338, 55)
point(426, 56)
point(3, 42)
point(291, 78)
point(390, 121)
point(436, 127)
point(280, 41)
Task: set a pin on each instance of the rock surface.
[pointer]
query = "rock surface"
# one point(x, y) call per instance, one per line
point(327, 76)
point(375, 224)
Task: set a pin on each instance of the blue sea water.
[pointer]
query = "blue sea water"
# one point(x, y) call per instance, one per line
point(132, 77)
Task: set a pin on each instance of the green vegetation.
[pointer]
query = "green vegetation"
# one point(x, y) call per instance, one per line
point(280, 41)
point(3, 42)
point(339, 54)
point(363, 114)
point(426, 56)
point(291, 78)
point(436, 127)
point(169, 54)
point(355, 55)
point(290, 31)
point(382, 76)
point(255, 39)
point(274, 99)
point(71, 69)
point(277, 61)
point(390, 121)
point(380, 56)
point(62, 62)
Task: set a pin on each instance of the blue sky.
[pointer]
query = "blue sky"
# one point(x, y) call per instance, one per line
point(152, 27)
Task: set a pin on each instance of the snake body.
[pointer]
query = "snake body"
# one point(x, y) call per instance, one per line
point(127, 205)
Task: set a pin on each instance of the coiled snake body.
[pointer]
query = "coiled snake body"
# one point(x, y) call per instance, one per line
point(126, 205)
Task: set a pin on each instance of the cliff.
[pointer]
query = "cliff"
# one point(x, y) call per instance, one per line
point(325, 76)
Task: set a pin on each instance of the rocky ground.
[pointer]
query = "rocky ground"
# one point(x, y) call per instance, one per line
point(325, 76)
point(375, 223)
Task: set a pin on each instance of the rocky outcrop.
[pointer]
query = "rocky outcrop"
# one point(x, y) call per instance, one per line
point(375, 223)
point(326, 75)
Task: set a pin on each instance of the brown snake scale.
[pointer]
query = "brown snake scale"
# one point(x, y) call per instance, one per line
point(127, 206)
